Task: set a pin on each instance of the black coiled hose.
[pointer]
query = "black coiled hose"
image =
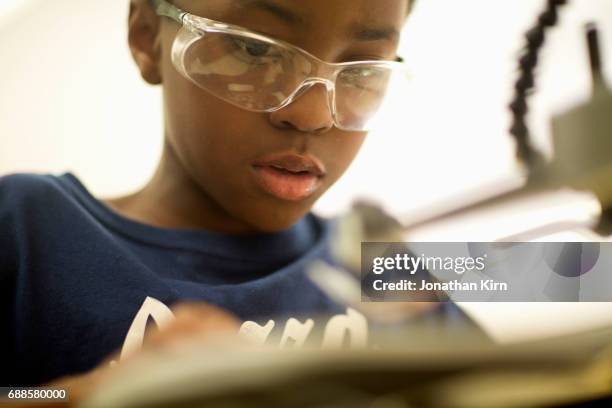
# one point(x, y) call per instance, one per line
point(526, 82)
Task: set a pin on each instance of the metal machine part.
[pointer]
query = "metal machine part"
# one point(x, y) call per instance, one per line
point(582, 140)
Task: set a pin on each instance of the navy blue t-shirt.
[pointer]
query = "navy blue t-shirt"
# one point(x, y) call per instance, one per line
point(74, 275)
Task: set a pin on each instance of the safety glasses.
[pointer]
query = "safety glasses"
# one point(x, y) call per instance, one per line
point(262, 74)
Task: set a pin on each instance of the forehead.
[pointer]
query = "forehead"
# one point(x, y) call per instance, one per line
point(373, 16)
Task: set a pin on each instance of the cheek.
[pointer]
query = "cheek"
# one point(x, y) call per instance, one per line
point(212, 139)
point(200, 125)
point(340, 150)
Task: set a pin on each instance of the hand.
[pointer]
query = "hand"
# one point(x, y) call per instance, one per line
point(193, 322)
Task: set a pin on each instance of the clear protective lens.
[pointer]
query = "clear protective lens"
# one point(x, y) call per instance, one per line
point(263, 75)
point(360, 92)
point(254, 74)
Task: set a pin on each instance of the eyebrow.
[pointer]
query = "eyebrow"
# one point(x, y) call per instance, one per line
point(279, 11)
point(363, 33)
point(360, 31)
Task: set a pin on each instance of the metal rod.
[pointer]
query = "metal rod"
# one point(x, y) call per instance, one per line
point(594, 51)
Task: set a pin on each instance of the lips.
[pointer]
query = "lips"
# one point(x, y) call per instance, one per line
point(289, 176)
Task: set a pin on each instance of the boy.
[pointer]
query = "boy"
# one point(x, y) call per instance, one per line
point(257, 128)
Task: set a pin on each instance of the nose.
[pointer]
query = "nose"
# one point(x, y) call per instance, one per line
point(309, 113)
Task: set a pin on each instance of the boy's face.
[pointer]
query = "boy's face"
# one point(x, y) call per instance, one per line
point(268, 169)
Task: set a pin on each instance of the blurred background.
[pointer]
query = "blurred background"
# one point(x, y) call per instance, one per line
point(72, 100)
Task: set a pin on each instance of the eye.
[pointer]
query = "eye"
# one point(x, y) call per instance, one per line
point(364, 78)
point(254, 48)
point(360, 74)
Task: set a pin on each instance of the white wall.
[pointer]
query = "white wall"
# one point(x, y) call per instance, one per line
point(71, 99)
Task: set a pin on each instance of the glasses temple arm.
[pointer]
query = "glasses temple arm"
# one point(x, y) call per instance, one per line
point(163, 8)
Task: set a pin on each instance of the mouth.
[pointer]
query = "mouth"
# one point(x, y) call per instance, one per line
point(289, 176)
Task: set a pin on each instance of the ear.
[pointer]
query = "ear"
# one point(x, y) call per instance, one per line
point(144, 40)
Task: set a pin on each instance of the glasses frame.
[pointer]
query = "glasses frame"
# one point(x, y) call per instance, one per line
point(200, 26)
